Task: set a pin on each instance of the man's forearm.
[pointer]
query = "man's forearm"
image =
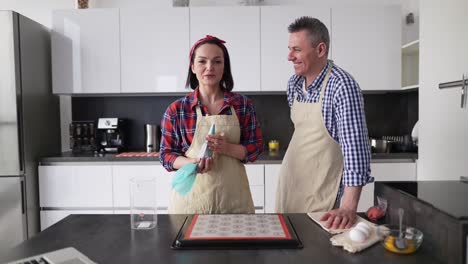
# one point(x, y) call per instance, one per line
point(350, 198)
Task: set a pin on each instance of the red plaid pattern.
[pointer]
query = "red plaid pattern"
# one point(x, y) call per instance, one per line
point(180, 119)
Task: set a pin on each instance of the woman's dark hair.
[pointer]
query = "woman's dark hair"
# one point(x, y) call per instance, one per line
point(226, 83)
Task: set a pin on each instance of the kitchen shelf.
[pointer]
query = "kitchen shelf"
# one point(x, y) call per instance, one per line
point(410, 65)
point(411, 48)
point(410, 87)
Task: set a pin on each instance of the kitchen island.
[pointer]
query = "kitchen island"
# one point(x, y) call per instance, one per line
point(109, 239)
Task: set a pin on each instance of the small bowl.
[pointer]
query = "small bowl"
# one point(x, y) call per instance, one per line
point(413, 237)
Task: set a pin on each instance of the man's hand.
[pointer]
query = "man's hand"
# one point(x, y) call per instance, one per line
point(345, 216)
point(339, 218)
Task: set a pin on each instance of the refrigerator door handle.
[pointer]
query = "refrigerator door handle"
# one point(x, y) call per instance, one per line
point(23, 198)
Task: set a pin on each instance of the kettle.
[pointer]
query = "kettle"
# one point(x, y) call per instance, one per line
point(151, 138)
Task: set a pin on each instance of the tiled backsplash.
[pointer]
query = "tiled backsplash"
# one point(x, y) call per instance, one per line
point(386, 113)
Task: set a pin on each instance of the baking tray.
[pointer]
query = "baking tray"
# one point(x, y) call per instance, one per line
point(202, 232)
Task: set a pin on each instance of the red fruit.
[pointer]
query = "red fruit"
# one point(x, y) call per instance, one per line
point(374, 213)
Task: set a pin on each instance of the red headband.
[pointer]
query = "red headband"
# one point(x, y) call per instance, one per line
point(200, 41)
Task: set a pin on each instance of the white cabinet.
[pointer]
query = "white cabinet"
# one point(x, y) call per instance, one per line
point(50, 217)
point(94, 189)
point(366, 42)
point(271, 184)
point(122, 174)
point(85, 51)
point(385, 172)
point(443, 125)
point(240, 28)
point(75, 186)
point(255, 175)
point(154, 49)
point(275, 67)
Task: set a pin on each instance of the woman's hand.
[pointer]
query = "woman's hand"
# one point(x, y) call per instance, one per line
point(204, 165)
point(217, 143)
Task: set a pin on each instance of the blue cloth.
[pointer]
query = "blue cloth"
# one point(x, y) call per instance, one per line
point(344, 117)
point(184, 178)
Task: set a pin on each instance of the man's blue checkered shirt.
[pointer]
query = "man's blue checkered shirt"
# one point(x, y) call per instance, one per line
point(343, 114)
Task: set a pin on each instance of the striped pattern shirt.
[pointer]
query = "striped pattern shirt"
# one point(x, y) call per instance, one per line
point(343, 114)
point(180, 120)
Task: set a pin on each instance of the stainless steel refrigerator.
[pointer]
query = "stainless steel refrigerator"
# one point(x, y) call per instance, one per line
point(29, 123)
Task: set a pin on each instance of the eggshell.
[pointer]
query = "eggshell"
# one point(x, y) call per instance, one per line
point(357, 235)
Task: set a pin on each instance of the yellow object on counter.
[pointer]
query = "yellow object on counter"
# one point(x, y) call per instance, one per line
point(389, 244)
point(273, 145)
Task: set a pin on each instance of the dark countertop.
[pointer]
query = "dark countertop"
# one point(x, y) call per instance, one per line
point(265, 158)
point(434, 193)
point(109, 239)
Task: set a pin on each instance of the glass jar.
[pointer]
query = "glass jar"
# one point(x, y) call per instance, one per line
point(82, 4)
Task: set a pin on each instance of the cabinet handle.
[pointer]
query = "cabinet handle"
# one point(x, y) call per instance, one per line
point(463, 83)
point(463, 92)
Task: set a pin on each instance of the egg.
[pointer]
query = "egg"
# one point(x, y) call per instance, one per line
point(363, 225)
point(364, 230)
point(357, 235)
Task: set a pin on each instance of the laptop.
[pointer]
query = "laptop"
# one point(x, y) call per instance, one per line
point(67, 255)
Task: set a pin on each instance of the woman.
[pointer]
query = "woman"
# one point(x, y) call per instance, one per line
point(221, 184)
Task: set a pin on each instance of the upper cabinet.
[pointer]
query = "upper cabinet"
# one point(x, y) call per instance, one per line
point(145, 50)
point(275, 67)
point(154, 49)
point(86, 51)
point(240, 28)
point(366, 42)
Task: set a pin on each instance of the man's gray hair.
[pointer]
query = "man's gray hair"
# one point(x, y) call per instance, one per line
point(316, 30)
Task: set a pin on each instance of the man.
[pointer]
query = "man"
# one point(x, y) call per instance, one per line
point(328, 157)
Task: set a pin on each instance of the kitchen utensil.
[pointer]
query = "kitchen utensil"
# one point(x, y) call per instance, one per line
point(400, 242)
point(151, 138)
point(380, 145)
point(205, 151)
point(184, 178)
point(390, 234)
point(415, 133)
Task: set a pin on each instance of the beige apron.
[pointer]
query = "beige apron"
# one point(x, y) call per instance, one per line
point(223, 189)
point(310, 174)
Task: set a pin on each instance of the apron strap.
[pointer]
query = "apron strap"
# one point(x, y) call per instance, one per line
point(199, 113)
point(233, 111)
point(325, 81)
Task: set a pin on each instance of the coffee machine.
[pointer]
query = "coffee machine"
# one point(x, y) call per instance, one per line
point(111, 135)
